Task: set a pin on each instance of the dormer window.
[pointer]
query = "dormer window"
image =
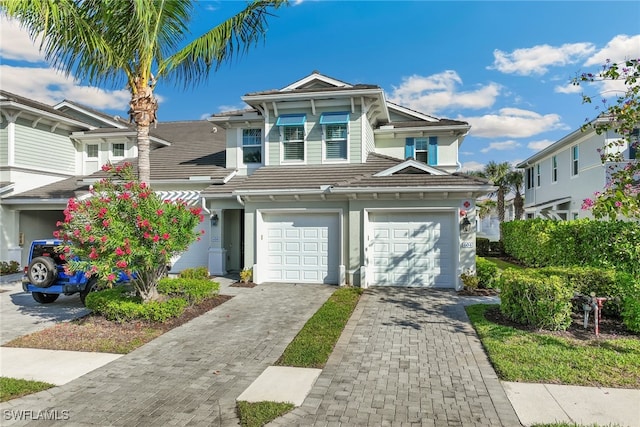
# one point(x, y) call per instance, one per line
point(424, 150)
point(292, 133)
point(335, 131)
point(252, 146)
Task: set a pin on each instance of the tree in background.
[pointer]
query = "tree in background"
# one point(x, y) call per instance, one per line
point(515, 181)
point(498, 174)
point(621, 195)
point(137, 42)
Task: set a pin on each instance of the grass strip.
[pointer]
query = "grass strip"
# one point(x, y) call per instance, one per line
point(11, 388)
point(257, 414)
point(533, 357)
point(563, 424)
point(315, 341)
point(502, 264)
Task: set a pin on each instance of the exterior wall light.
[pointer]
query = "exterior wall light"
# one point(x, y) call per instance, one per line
point(214, 220)
point(465, 225)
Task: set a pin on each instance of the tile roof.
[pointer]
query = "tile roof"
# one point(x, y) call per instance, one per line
point(195, 151)
point(8, 96)
point(340, 176)
point(424, 123)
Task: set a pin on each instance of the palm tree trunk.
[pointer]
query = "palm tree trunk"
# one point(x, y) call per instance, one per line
point(143, 109)
point(500, 208)
point(518, 204)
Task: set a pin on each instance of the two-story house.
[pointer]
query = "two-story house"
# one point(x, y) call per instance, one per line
point(560, 177)
point(49, 154)
point(335, 184)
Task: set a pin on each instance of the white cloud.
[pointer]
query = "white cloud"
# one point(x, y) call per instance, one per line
point(15, 43)
point(227, 108)
point(513, 123)
point(430, 94)
point(472, 166)
point(538, 59)
point(501, 146)
point(621, 47)
point(50, 86)
point(568, 88)
point(539, 145)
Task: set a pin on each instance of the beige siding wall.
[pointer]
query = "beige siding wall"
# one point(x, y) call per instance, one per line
point(41, 149)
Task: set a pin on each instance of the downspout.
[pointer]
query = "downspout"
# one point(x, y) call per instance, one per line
point(239, 199)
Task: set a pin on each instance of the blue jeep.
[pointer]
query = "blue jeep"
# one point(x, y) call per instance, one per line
point(45, 277)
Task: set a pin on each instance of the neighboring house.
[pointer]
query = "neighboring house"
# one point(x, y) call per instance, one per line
point(560, 177)
point(49, 154)
point(337, 185)
point(489, 225)
point(319, 182)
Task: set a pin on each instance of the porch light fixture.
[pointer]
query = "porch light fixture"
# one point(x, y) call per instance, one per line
point(214, 220)
point(465, 225)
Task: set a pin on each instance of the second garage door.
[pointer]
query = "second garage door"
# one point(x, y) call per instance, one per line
point(302, 248)
point(412, 249)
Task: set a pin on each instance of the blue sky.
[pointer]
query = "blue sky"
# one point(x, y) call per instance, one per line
point(504, 67)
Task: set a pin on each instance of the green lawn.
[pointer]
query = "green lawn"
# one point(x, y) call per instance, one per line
point(11, 388)
point(503, 265)
point(315, 341)
point(543, 358)
point(257, 414)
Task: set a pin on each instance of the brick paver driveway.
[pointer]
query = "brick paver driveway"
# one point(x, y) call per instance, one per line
point(408, 357)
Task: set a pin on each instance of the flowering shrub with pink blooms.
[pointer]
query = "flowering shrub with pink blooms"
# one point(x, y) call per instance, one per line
point(124, 226)
point(621, 196)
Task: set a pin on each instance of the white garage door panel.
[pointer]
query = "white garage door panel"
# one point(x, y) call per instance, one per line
point(302, 248)
point(412, 249)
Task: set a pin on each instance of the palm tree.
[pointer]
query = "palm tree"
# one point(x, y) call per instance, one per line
point(515, 180)
point(137, 42)
point(497, 173)
point(485, 207)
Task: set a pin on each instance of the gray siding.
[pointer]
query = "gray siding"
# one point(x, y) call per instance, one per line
point(35, 148)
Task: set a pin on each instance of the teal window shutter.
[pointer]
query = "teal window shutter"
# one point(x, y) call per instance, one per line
point(410, 149)
point(433, 150)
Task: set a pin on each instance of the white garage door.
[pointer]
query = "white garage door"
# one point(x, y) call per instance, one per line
point(302, 248)
point(412, 249)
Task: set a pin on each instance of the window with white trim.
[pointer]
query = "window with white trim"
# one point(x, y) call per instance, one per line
point(92, 151)
point(251, 146)
point(335, 132)
point(554, 169)
point(422, 150)
point(117, 149)
point(538, 177)
point(292, 133)
point(529, 178)
point(575, 164)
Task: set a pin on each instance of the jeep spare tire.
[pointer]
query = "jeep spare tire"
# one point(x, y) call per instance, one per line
point(42, 272)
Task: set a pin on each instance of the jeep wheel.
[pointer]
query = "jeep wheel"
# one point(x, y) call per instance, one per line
point(42, 271)
point(43, 298)
point(89, 287)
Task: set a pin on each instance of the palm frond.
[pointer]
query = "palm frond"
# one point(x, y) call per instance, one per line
point(235, 36)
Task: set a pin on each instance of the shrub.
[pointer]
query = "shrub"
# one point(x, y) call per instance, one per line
point(535, 299)
point(469, 279)
point(193, 290)
point(483, 246)
point(487, 272)
point(194, 273)
point(585, 242)
point(121, 305)
point(496, 248)
point(9, 267)
point(603, 282)
point(631, 307)
point(246, 275)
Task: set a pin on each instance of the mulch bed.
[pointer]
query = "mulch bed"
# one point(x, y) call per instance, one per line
point(95, 333)
point(610, 328)
point(243, 285)
point(478, 292)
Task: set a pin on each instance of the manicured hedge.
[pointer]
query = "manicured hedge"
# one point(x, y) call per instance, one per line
point(483, 247)
point(487, 272)
point(193, 290)
point(603, 244)
point(535, 299)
